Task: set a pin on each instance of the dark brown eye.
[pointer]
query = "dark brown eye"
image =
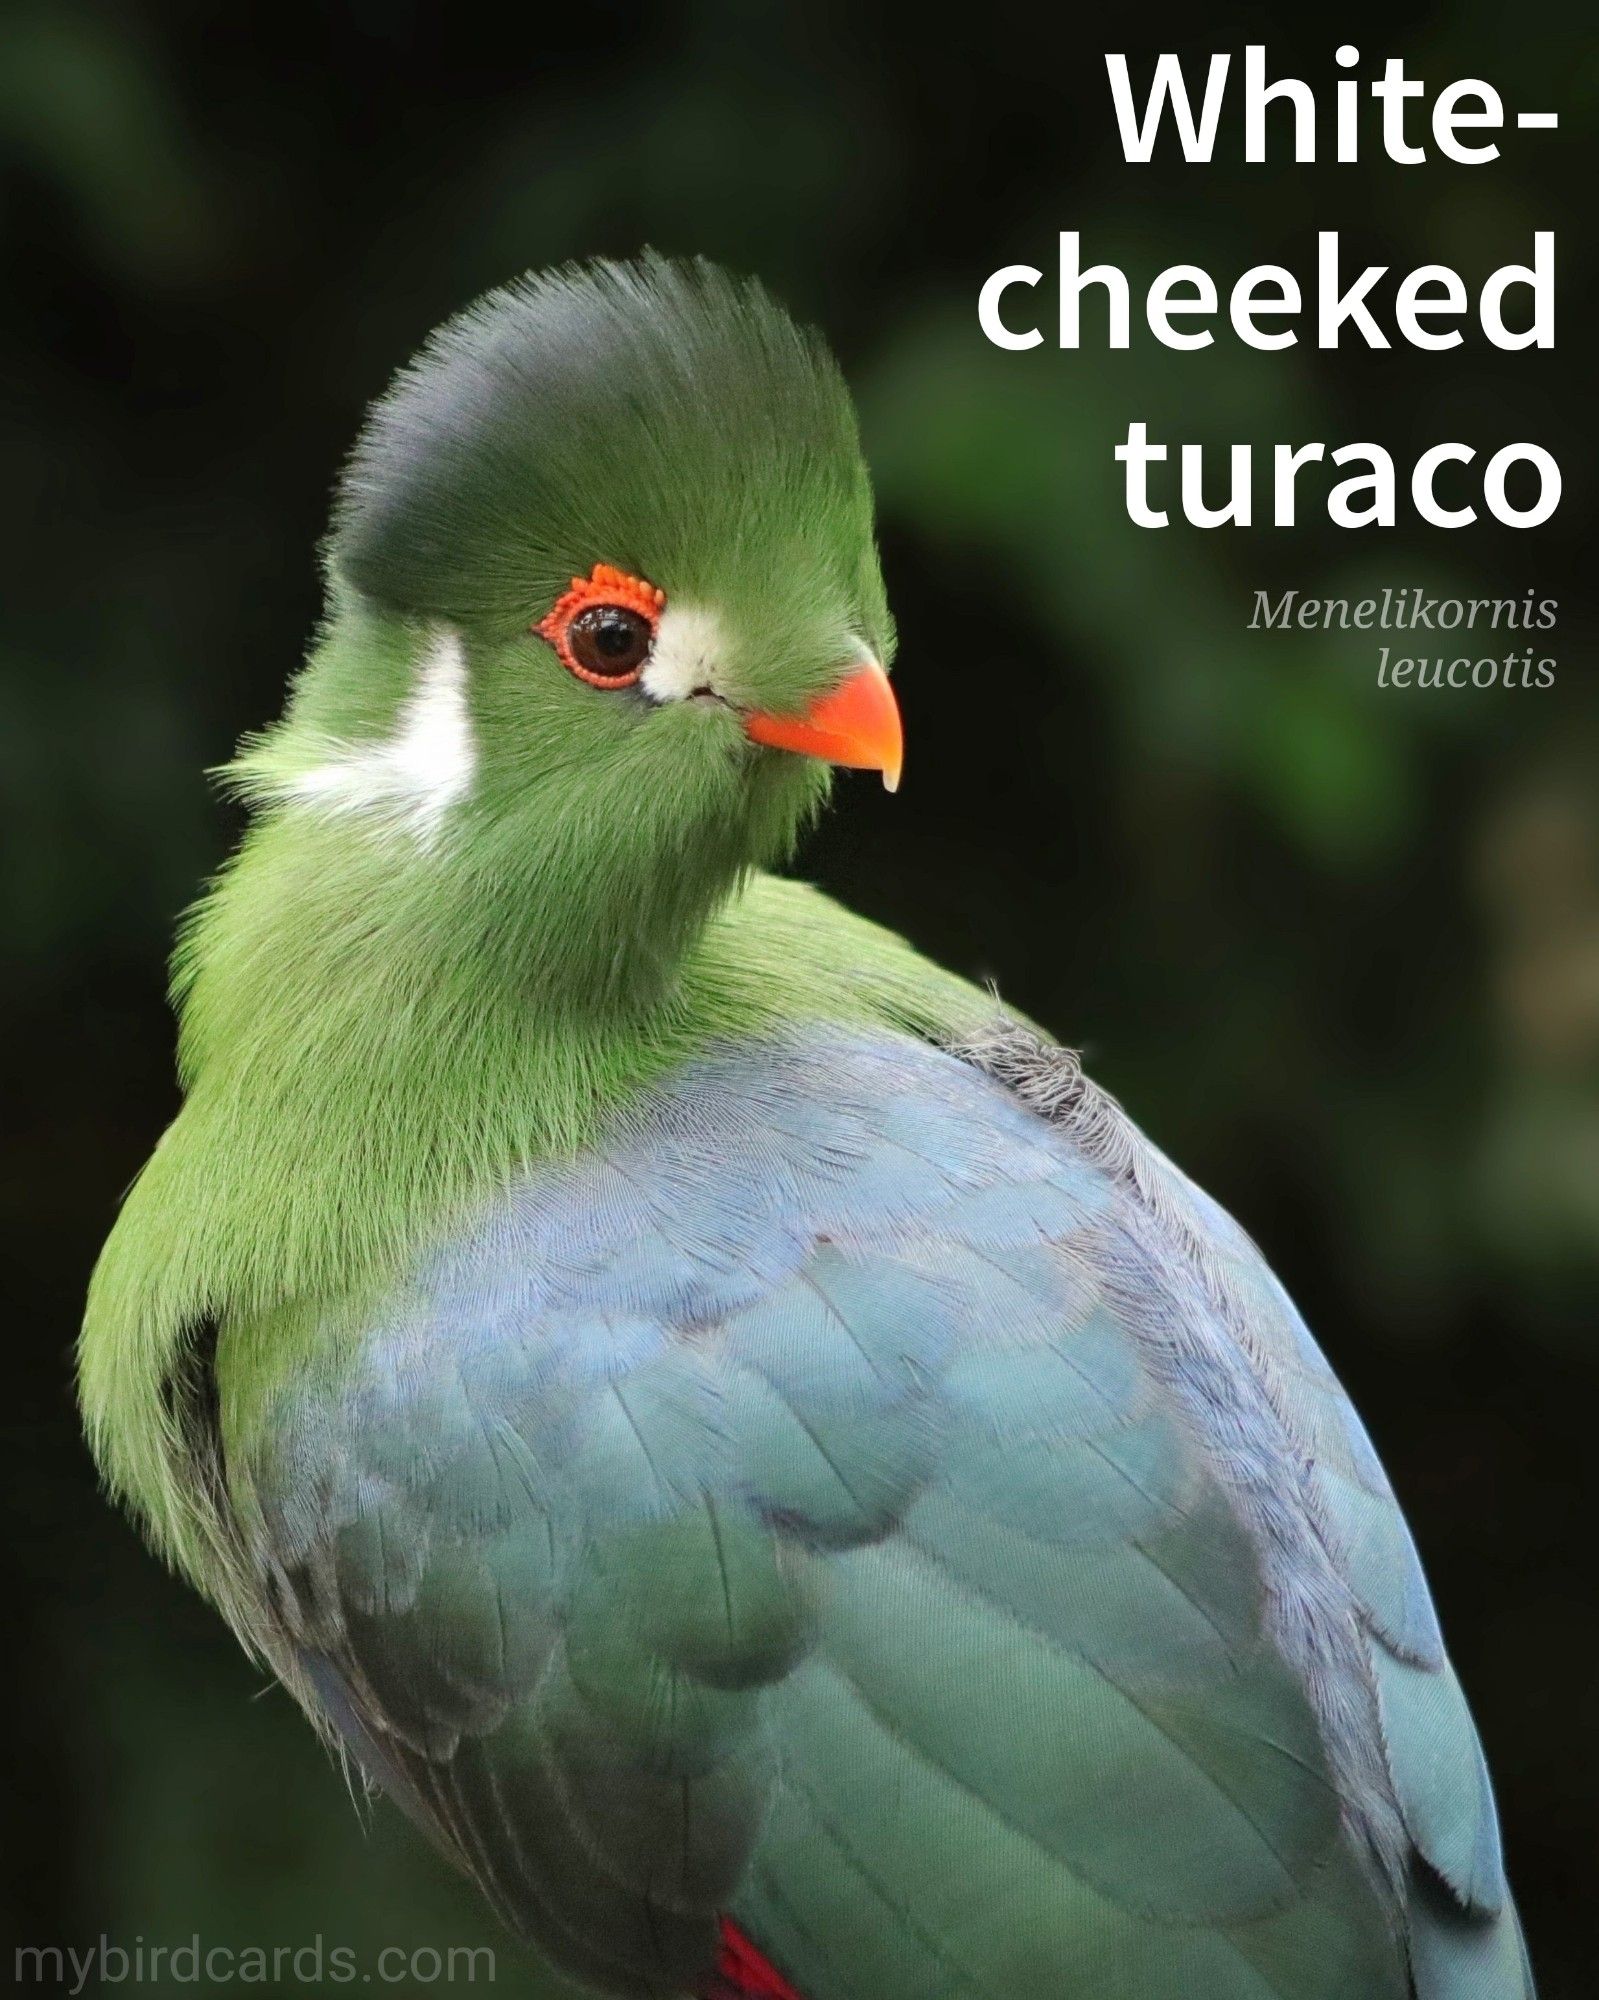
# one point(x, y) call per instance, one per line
point(609, 644)
point(604, 626)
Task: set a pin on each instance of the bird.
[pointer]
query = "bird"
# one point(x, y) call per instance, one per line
point(718, 1418)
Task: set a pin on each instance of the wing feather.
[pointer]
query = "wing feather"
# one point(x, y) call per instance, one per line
point(851, 1499)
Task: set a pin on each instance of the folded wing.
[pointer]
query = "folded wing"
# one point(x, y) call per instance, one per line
point(852, 1500)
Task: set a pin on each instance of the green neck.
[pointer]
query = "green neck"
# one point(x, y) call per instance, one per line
point(360, 1066)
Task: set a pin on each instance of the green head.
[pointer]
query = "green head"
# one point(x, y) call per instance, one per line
point(605, 603)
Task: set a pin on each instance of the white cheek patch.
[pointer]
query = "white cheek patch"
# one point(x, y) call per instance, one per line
point(687, 653)
point(421, 770)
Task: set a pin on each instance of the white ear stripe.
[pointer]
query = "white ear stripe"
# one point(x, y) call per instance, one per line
point(422, 769)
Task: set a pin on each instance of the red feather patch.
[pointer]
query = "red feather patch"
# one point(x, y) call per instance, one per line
point(743, 1973)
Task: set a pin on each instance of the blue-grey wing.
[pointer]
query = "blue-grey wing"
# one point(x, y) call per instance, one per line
point(878, 1497)
point(1464, 1934)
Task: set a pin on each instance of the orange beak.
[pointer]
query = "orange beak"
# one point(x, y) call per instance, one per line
point(857, 724)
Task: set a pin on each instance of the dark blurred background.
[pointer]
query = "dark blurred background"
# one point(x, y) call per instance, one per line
point(1336, 946)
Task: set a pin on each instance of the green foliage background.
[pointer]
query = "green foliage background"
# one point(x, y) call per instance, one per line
point(1337, 947)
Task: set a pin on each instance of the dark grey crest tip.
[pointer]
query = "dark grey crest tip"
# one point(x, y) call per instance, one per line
point(567, 410)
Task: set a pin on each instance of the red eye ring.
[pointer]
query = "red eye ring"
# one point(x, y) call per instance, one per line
point(603, 589)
